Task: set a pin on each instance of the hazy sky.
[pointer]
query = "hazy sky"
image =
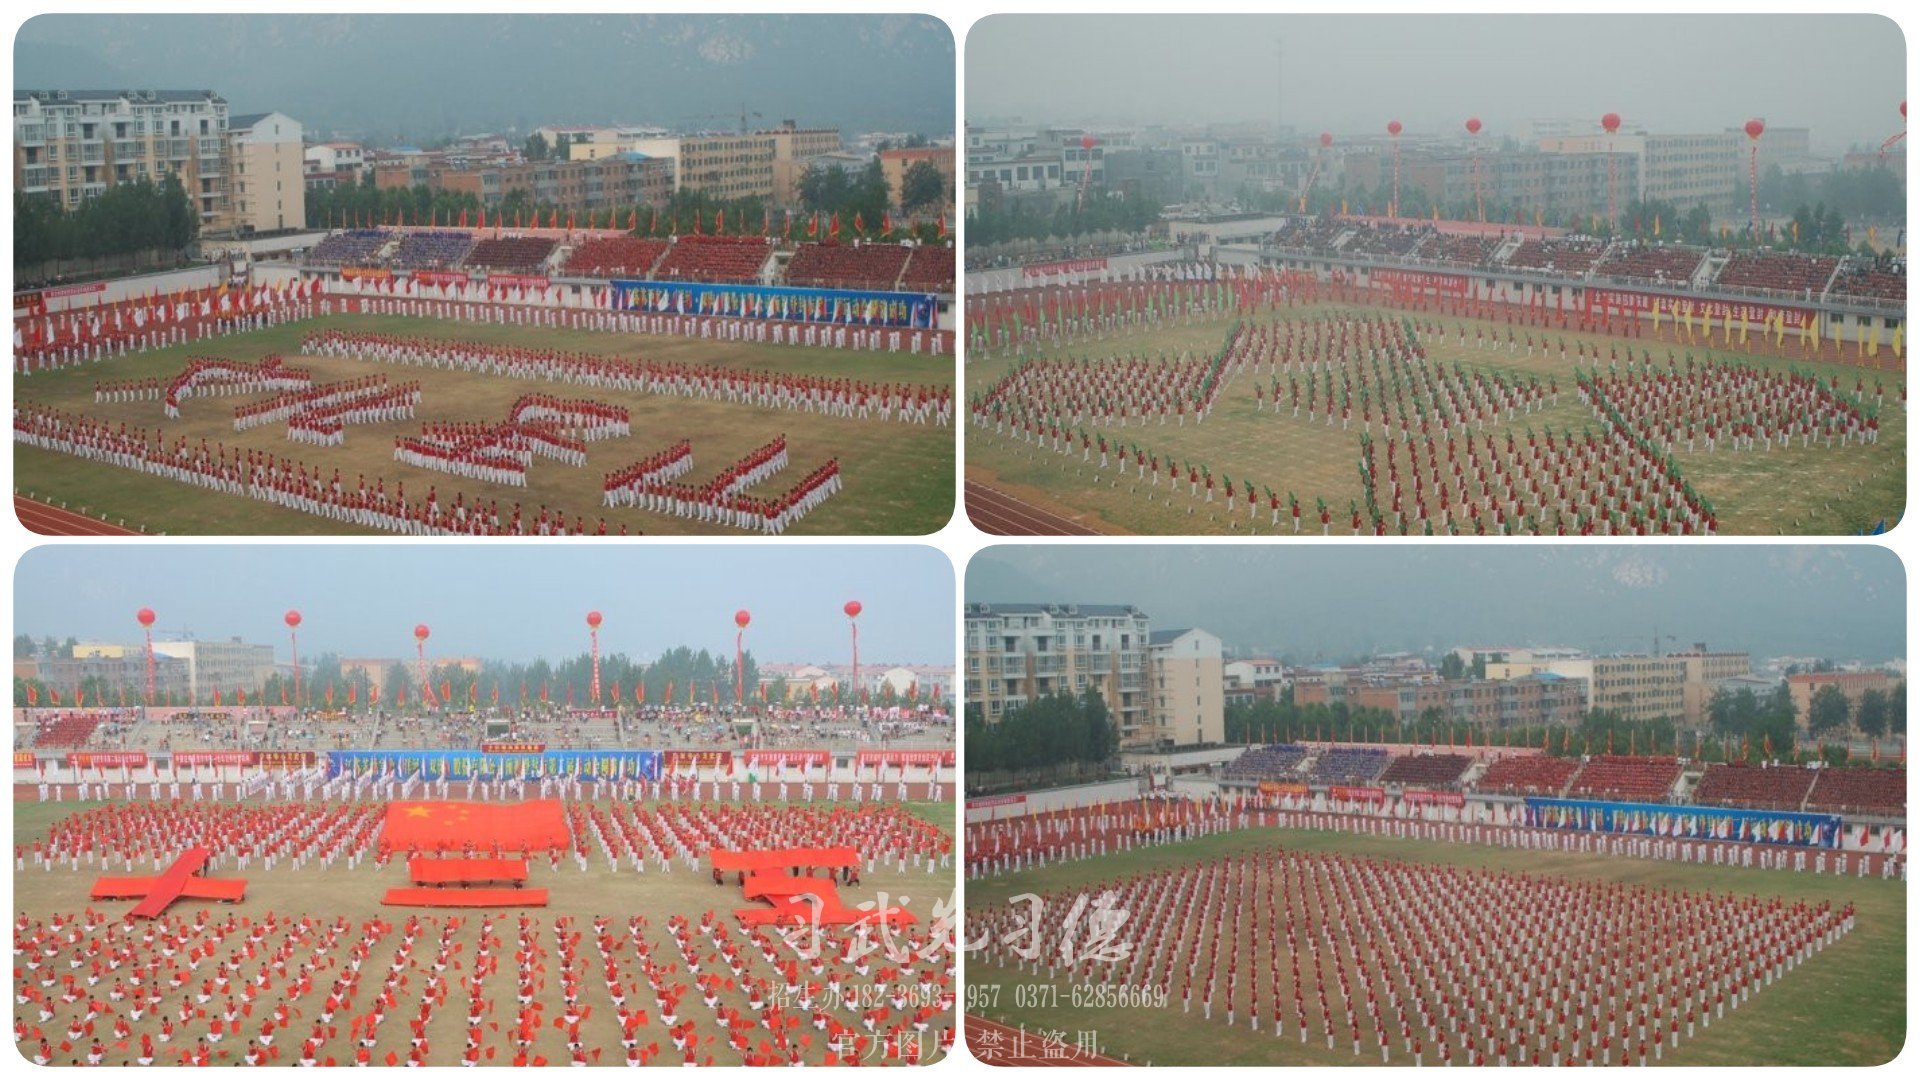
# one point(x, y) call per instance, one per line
point(504, 603)
point(1316, 601)
point(421, 76)
point(1842, 75)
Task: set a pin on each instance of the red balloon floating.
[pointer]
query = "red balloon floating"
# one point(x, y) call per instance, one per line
point(853, 609)
point(1086, 142)
point(293, 619)
point(420, 632)
point(593, 619)
point(1473, 125)
point(1393, 127)
point(741, 618)
point(1611, 122)
point(1754, 128)
point(145, 616)
point(1326, 138)
point(1903, 108)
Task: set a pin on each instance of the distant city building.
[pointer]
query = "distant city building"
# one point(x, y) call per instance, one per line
point(119, 668)
point(895, 163)
point(1016, 653)
point(793, 147)
point(269, 183)
point(330, 164)
point(619, 180)
point(1188, 675)
point(718, 165)
point(223, 666)
point(1853, 684)
point(1706, 672)
point(74, 144)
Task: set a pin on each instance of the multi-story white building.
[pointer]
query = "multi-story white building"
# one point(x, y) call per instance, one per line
point(1016, 653)
point(74, 144)
point(1189, 690)
point(269, 185)
point(225, 666)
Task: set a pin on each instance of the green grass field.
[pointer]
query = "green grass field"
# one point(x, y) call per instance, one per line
point(1845, 1006)
point(1813, 491)
point(356, 894)
point(898, 478)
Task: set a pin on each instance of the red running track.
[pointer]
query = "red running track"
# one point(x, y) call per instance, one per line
point(1001, 514)
point(995, 1043)
point(48, 520)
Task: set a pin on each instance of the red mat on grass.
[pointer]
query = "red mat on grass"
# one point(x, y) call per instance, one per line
point(479, 898)
point(425, 871)
point(799, 901)
point(760, 859)
point(176, 882)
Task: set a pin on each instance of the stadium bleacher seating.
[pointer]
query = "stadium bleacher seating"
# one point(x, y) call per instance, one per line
point(66, 731)
point(512, 254)
point(848, 266)
point(1348, 765)
point(1470, 251)
point(1278, 762)
point(929, 269)
point(714, 259)
point(1860, 791)
point(355, 246)
point(1310, 234)
point(1633, 779)
point(1777, 788)
point(1651, 262)
point(1782, 272)
point(616, 257)
point(432, 250)
point(1872, 279)
point(1569, 255)
point(1427, 770)
point(1527, 775)
point(1388, 241)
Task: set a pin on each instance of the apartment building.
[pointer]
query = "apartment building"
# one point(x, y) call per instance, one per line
point(71, 145)
point(1016, 653)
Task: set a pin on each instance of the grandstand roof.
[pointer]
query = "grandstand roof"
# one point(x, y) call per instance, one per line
point(1099, 610)
point(115, 95)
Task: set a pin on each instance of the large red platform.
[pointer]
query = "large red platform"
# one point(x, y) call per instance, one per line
point(176, 882)
point(474, 898)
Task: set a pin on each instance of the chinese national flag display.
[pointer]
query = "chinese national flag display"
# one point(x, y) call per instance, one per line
point(537, 825)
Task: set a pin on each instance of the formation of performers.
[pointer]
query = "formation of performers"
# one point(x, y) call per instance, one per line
point(1419, 963)
point(844, 398)
point(1428, 462)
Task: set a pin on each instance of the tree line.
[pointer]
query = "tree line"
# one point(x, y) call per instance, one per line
point(859, 202)
point(1050, 731)
point(125, 219)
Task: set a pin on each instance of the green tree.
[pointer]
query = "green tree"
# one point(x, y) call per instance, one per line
point(536, 148)
point(1870, 716)
point(922, 187)
point(1827, 711)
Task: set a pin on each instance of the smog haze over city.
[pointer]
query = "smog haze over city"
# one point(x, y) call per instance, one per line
point(1842, 76)
point(419, 77)
point(508, 603)
point(1319, 602)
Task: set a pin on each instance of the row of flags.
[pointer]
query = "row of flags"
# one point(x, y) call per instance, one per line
point(79, 697)
point(531, 218)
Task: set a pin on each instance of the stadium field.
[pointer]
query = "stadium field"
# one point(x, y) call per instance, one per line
point(577, 897)
point(1811, 490)
point(1845, 1005)
point(897, 477)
